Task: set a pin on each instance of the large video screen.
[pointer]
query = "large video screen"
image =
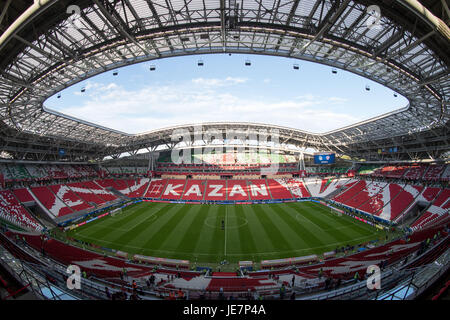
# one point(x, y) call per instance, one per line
point(324, 158)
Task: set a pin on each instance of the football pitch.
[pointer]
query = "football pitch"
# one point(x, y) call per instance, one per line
point(209, 233)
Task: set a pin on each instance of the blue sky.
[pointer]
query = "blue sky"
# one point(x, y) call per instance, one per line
point(224, 89)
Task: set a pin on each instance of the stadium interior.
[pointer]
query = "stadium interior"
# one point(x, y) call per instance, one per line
point(146, 216)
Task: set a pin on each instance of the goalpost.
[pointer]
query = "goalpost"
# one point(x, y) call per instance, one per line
point(339, 214)
point(116, 212)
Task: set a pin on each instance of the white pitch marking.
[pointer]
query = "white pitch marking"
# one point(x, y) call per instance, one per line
point(225, 227)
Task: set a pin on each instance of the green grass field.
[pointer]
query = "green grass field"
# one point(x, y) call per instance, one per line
point(252, 232)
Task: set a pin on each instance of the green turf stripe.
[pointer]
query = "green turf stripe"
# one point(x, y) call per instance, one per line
point(188, 232)
point(232, 225)
point(216, 247)
point(303, 231)
point(260, 236)
point(244, 234)
point(163, 227)
point(324, 221)
point(275, 235)
point(113, 227)
point(203, 246)
point(361, 228)
point(138, 224)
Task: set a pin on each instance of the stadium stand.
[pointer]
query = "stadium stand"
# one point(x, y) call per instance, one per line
point(216, 190)
point(174, 189)
point(37, 172)
point(85, 193)
point(195, 190)
point(23, 195)
point(437, 213)
point(415, 172)
point(99, 191)
point(17, 172)
point(429, 194)
point(56, 207)
point(446, 174)
point(64, 193)
point(237, 190)
point(350, 192)
point(138, 187)
point(433, 173)
point(258, 189)
point(156, 188)
point(278, 190)
point(367, 169)
point(296, 186)
point(121, 186)
point(377, 198)
point(11, 210)
point(55, 172)
point(404, 198)
point(395, 172)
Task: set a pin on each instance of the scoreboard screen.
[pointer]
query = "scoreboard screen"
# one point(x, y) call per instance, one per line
point(324, 158)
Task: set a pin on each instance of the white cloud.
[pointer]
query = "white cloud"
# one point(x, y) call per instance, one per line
point(152, 107)
point(214, 82)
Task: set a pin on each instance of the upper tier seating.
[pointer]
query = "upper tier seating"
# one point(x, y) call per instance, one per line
point(367, 169)
point(55, 172)
point(446, 174)
point(37, 172)
point(391, 171)
point(415, 172)
point(85, 171)
point(5, 172)
point(114, 170)
point(17, 172)
point(12, 211)
point(434, 172)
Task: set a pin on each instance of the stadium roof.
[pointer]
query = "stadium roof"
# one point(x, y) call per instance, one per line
point(49, 45)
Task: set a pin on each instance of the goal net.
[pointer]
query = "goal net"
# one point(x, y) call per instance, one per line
point(116, 212)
